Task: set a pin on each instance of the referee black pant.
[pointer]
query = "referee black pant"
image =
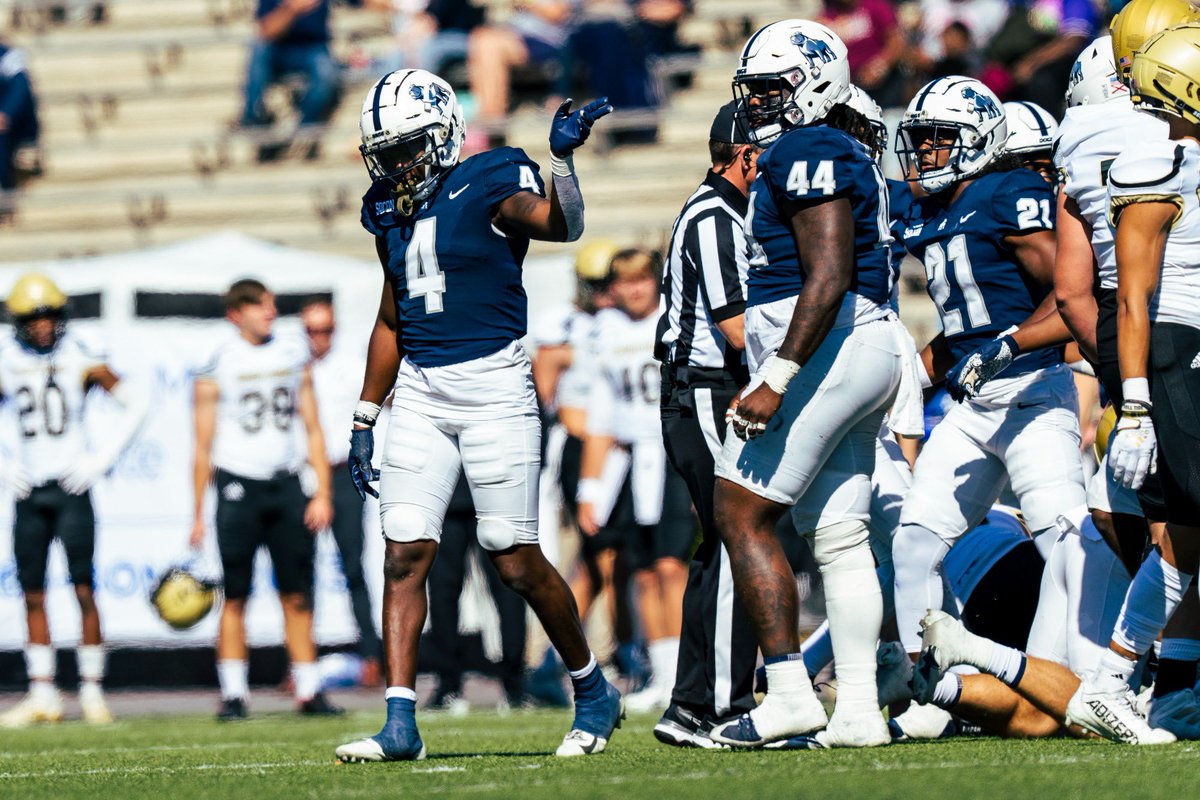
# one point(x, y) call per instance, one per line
point(717, 649)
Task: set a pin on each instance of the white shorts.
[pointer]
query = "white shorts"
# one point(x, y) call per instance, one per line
point(1083, 589)
point(446, 421)
point(818, 451)
point(1106, 493)
point(1025, 432)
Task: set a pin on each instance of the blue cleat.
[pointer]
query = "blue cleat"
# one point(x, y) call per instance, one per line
point(738, 732)
point(398, 741)
point(598, 712)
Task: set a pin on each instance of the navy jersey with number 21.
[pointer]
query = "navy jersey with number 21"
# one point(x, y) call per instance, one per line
point(456, 277)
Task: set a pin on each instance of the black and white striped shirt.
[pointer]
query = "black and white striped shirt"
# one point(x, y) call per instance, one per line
point(704, 282)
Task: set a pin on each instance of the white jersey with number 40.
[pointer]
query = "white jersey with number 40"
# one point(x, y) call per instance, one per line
point(257, 413)
point(47, 391)
point(624, 400)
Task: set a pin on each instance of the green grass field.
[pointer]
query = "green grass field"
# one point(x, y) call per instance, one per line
point(486, 755)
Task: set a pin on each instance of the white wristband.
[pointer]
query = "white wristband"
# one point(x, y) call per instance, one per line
point(366, 412)
point(1136, 389)
point(778, 373)
point(588, 490)
point(563, 167)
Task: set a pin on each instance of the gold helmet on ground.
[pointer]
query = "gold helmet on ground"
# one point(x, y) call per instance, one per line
point(1140, 20)
point(1166, 73)
point(34, 293)
point(182, 599)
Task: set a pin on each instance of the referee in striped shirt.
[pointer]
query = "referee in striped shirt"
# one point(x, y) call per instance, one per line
point(700, 341)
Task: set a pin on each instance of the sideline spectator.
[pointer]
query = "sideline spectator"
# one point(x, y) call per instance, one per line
point(875, 43)
point(18, 119)
point(293, 37)
point(943, 23)
point(429, 34)
point(659, 23)
point(1038, 45)
point(608, 44)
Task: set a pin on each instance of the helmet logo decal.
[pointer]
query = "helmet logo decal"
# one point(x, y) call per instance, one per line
point(983, 106)
point(434, 96)
point(814, 50)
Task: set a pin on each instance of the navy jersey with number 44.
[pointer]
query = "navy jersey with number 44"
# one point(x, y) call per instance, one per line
point(971, 274)
point(456, 277)
point(807, 166)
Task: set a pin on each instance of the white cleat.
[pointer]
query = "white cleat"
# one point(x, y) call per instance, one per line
point(771, 721)
point(95, 707)
point(857, 730)
point(922, 722)
point(893, 671)
point(1110, 711)
point(946, 638)
point(368, 750)
point(1177, 712)
point(34, 708)
point(580, 743)
point(652, 698)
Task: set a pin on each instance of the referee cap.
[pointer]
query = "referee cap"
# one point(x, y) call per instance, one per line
point(725, 127)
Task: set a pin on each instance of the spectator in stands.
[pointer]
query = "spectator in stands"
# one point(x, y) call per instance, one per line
point(429, 34)
point(293, 37)
point(534, 36)
point(1038, 45)
point(608, 46)
point(18, 119)
point(942, 25)
point(959, 56)
point(875, 43)
point(659, 22)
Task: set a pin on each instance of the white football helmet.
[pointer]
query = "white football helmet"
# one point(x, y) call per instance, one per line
point(791, 74)
point(1031, 128)
point(412, 131)
point(864, 104)
point(956, 114)
point(1094, 77)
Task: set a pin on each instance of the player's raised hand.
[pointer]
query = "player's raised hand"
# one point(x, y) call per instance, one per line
point(362, 448)
point(570, 130)
point(968, 376)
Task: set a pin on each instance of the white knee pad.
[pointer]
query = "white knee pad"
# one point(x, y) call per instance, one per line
point(404, 522)
point(833, 542)
point(496, 534)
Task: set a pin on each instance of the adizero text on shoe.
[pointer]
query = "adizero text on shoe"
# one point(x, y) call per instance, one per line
point(679, 727)
point(1110, 712)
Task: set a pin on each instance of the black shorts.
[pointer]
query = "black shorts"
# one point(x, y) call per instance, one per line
point(1150, 496)
point(49, 513)
point(256, 513)
point(1175, 392)
point(675, 536)
point(1004, 602)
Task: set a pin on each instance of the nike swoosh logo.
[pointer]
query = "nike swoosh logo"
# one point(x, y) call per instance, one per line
point(1028, 405)
point(963, 219)
point(590, 748)
point(460, 191)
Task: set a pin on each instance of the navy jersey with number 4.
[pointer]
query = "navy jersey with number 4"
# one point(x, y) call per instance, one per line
point(807, 166)
point(971, 274)
point(456, 277)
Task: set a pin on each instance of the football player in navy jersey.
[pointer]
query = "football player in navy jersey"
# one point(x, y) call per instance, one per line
point(451, 238)
point(824, 350)
point(985, 234)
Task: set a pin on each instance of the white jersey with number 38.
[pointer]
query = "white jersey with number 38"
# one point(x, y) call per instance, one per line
point(47, 391)
point(257, 413)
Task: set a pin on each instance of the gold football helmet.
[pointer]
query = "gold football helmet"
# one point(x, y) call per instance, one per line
point(1104, 429)
point(182, 599)
point(1166, 73)
point(34, 293)
point(593, 259)
point(1140, 20)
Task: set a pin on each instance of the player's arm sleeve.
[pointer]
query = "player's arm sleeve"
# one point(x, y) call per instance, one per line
point(1151, 175)
point(511, 172)
point(716, 245)
point(1023, 203)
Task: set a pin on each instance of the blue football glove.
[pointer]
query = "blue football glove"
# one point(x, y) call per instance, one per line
point(362, 447)
point(977, 368)
point(570, 130)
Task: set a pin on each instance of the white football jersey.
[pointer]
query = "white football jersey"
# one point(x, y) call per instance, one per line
point(624, 401)
point(1089, 141)
point(569, 326)
point(48, 393)
point(258, 410)
point(1168, 171)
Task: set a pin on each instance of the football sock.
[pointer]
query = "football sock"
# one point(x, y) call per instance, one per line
point(1153, 596)
point(588, 682)
point(1001, 661)
point(1114, 671)
point(789, 685)
point(39, 663)
point(917, 554)
point(234, 676)
point(948, 691)
point(854, 605)
point(401, 711)
point(91, 663)
point(307, 679)
point(400, 693)
point(664, 655)
point(817, 650)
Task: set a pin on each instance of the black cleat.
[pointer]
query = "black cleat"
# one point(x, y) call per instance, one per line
point(232, 710)
point(319, 706)
point(679, 727)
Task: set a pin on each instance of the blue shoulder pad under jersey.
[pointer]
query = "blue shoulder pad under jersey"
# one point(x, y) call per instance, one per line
point(900, 201)
point(971, 273)
point(456, 276)
point(809, 166)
